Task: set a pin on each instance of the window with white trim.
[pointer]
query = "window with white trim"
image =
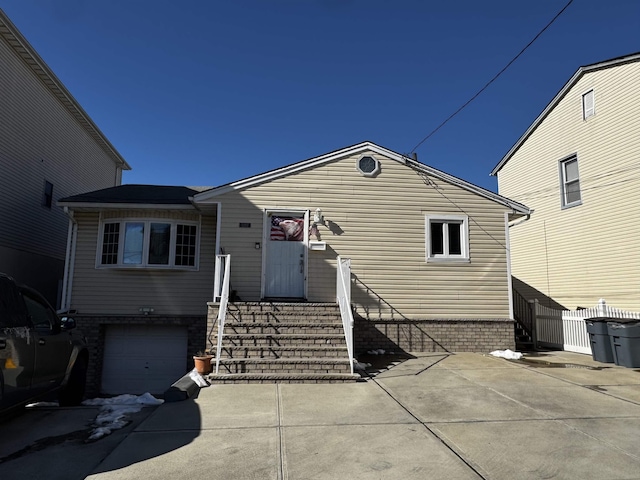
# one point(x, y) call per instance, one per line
point(588, 105)
point(148, 244)
point(570, 182)
point(447, 237)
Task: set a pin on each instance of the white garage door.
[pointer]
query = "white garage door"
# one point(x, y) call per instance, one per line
point(143, 358)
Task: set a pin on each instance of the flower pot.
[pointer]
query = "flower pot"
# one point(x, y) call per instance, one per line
point(203, 364)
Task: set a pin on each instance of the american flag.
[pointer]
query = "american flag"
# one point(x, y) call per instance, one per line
point(276, 232)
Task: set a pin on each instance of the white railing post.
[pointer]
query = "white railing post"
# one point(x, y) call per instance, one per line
point(343, 294)
point(602, 308)
point(221, 292)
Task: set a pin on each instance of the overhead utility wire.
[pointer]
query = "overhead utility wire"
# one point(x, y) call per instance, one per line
point(494, 78)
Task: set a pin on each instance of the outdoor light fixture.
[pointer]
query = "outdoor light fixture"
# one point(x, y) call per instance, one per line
point(257, 246)
point(317, 217)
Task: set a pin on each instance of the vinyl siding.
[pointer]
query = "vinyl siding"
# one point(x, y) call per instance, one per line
point(112, 291)
point(40, 140)
point(380, 224)
point(580, 254)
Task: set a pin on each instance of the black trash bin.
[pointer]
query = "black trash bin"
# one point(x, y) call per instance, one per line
point(601, 349)
point(625, 343)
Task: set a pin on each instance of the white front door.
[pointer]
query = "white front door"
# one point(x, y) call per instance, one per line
point(285, 254)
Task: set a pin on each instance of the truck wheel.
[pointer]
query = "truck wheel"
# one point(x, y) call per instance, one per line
point(73, 392)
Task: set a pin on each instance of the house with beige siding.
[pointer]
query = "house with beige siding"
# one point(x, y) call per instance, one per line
point(578, 166)
point(419, 258)
point(49, 149)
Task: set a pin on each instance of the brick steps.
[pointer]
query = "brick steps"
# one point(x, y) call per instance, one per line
point(283, 317)
point(269, 342)
point(282, 339)
point(283, 378)
point(284, 365)
point(295, 351)
point(283, 328)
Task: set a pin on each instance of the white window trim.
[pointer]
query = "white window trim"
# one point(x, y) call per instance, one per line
point(464, 256)
point(563, 191)
point(145, 248)
point(593, 108)
point(376, 169)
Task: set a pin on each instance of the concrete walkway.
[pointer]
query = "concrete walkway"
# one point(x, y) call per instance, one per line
point(463, 416)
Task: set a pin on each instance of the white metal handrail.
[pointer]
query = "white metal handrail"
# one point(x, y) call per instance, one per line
point(221, 294)
point(343, 294)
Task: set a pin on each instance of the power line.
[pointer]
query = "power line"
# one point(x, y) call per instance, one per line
point(584, 182)
point(582, 189)
point(494, 78)
point(430, 183)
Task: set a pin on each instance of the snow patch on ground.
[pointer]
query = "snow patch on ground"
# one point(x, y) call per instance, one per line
point(508, 354)
point(43, 404)
point(114, 411)
point(359, 365)
point(198, 379)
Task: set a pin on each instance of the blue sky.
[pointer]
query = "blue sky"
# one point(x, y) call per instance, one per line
point(207, 92)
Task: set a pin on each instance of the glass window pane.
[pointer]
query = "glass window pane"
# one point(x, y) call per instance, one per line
point(455, 244)
point(41, 317)
point(572, 192)
point(437, 241)
point(110, 239)
point(186, 245)
point(159, 243)
point(133, 243)
point(571, 170)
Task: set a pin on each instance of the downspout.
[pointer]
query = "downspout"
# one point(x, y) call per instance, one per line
point(218, 227)
point(69, 262)
point(507, 226)
point(509, 279)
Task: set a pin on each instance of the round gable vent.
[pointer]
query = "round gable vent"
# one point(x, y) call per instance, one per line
point(368, 166)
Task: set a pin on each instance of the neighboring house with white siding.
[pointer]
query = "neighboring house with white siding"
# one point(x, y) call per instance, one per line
point(429, 253)
point(578, 168)
point(49, 148)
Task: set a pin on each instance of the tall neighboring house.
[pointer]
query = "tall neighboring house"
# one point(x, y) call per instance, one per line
point(49, 148)
point(578, 168)
point(429, 264)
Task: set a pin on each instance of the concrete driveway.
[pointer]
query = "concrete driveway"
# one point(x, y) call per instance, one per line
point(463, 416)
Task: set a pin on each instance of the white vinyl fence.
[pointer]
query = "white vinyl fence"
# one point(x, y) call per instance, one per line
point(567, 329)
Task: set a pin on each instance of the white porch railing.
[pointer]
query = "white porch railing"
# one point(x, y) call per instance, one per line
point(221, 294)
point(343, 293)
point(567, 329)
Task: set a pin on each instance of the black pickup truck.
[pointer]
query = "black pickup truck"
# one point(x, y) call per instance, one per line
point(39, 352)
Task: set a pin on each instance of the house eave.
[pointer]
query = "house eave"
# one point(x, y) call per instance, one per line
point(24, 50)
point(94, 206)
point(559, 96)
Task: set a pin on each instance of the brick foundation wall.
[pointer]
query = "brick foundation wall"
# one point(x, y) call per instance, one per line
point(455, 335)
point(94, 328)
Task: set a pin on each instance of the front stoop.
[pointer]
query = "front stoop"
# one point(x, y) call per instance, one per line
point(268, 342)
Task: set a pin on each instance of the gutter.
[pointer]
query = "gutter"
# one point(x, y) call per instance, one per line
point(69, 262)
point(522, 220)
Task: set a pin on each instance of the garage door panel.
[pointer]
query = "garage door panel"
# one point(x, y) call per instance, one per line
point(143, 358)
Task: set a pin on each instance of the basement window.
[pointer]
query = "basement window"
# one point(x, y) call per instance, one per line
point(148, 244)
